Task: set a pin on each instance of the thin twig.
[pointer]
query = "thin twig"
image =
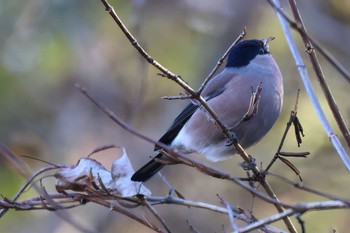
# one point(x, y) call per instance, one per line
point(29, 204)
point(36, 203)
point(123, 211)
point(192, 228)
point(155, 213)
point(336, 64)
point(309, 89)
point(168, 74)
point(221, 60)
point(301, 222)
point(301, 186)
point(25, 171)
point(102, 148)
point(301, 208)
point(289, 124)
point(340, 68)
point(254, 103)
point(63, 214)
point(177, 97)
point(143, 53)
point(230, 214)
point(15, 161)
point(320, 75)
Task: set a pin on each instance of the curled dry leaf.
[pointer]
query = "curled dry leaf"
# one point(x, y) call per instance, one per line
point(121, 175)
point(90, 174)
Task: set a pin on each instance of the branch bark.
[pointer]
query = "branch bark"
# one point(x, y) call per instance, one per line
point(284, 19)
point(319, 74)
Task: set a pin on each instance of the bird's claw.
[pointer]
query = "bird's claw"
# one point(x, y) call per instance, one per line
point(233, 139)
point(249, 165)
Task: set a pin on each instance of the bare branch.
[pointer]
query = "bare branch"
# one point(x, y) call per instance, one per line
point(345, 73)
point(25, 171)
point(123, 211)
point(230, 214)
point(155, 213)
point(60, 211)
point(30, 204)
point(301, 208)
point(309, 89)
point(178, 97)
point(221, 60)
point(301, 186)
point(102, 148)
point(192, 228)
point(319, 74)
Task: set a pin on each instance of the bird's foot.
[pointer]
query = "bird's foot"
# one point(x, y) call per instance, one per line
point(249, 165)
point(233, 139)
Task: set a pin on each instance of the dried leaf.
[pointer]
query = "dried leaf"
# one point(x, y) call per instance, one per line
point(294, 154)
point(121, 175)
point(179, 194)
point(254, 103)
point(90, 174)
point(78, 177)
point(291, 166)
point(298, 129)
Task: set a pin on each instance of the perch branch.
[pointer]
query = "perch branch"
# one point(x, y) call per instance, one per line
point(203, 103)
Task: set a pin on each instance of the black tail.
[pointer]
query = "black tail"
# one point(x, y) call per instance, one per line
point(148, 170)
point(152, 167)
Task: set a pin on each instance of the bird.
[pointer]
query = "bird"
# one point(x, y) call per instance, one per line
point(249, 63)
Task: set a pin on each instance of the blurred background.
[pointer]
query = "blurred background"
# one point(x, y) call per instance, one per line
point(46, 46)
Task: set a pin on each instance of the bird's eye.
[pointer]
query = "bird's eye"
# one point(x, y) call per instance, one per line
point(262, 50)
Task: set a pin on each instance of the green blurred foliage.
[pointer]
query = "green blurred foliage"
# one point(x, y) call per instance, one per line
point(48, 46)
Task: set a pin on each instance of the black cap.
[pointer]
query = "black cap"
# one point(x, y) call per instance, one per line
point(245, 51)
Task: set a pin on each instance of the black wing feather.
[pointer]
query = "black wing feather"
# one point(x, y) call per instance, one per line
point(178, 123)
point(152, 167)
point(183, 117)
